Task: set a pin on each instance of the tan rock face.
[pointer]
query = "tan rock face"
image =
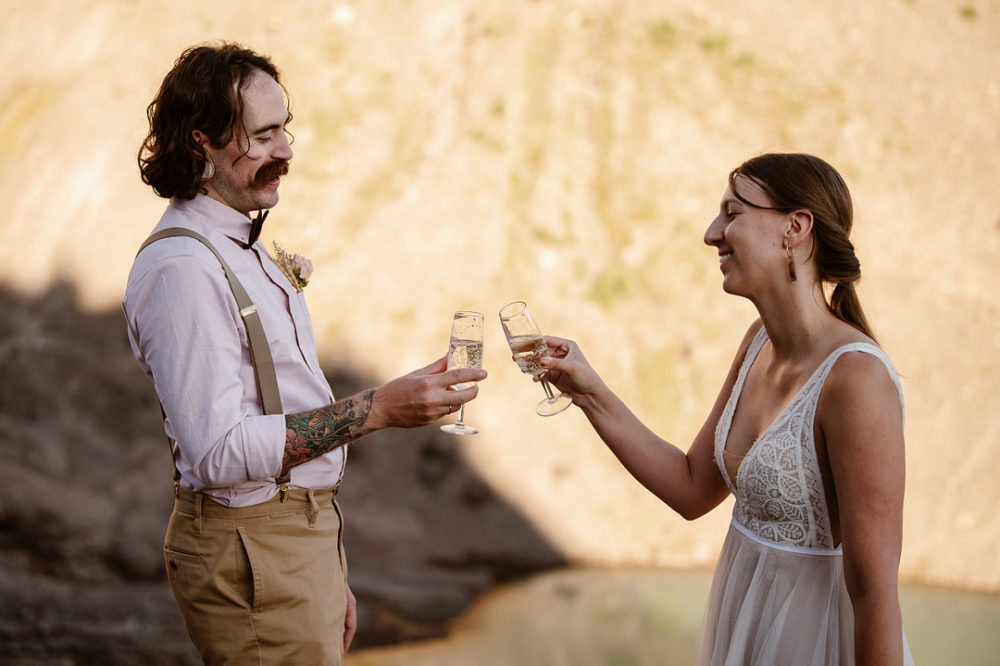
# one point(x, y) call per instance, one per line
point(569, 154)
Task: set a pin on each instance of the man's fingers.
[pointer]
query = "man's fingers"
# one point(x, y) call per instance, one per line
point(440, 365)
point(461, 375)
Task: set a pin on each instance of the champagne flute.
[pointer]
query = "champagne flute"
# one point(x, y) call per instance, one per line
point(465, 350)
point(526, 342)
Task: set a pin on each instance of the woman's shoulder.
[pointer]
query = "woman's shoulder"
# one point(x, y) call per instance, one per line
point(858, 367)
point(855, 354)
point(861, 372)
point(857, 362)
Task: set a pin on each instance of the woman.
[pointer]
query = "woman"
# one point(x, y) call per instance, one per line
point(807, 433)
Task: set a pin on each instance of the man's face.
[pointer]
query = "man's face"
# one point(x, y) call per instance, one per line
point(249, 167)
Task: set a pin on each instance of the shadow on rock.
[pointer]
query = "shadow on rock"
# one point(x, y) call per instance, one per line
point(424, 533)
point(85, 493)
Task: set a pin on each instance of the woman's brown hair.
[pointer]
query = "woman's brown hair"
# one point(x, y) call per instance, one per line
point(794, 181)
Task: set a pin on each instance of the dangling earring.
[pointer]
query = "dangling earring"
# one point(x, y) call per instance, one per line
point(208, 171)
point(791, 259)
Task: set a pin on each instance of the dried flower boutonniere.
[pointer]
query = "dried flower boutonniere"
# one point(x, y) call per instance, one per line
point(296, 268)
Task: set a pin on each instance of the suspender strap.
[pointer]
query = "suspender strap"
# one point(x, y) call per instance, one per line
point(263, 365)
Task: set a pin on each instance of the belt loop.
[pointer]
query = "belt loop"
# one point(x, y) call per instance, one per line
point(312, 511)
point(198, 517)
point(177, 488)
point(283, 493)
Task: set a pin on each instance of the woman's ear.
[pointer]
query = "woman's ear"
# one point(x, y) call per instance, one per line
point(800, 224)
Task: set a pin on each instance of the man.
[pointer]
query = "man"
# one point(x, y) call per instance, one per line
point(253, 548)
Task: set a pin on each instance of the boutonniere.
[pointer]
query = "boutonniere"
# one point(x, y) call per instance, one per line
point(296, 268)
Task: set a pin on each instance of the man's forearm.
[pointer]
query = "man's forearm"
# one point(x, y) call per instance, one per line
point(311, 434)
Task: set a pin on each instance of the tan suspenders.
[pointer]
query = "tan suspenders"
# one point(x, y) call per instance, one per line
point(260, 353)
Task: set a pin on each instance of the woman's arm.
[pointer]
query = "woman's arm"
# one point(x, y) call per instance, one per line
point(690, 483)
point(860, 418)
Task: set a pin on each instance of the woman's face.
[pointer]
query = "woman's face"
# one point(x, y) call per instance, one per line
point(748, 239)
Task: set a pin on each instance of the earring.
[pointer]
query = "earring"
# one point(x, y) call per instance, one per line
point(791, 259)
point(208, 171)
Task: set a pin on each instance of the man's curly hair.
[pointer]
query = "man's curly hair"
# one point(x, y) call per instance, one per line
point(202, 92)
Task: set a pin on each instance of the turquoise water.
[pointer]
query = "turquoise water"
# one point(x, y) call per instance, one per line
point(951, 627)
point(640, 618)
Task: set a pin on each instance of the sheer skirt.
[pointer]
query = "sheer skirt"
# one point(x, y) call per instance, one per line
point(771, 605)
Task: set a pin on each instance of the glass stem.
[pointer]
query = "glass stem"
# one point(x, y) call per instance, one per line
point(461, 414)
point(548, 391)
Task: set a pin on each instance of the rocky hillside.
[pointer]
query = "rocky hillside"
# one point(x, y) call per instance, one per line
point(463, 154)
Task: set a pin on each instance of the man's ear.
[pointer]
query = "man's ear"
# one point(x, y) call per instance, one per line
point(800, 224)
point(200, 138)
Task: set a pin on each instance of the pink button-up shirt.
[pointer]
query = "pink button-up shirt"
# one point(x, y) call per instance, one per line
point(187, 334)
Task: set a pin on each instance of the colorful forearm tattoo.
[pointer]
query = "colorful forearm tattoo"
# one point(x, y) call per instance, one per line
point(311, 434)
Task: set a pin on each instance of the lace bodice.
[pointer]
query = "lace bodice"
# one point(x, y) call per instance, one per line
point(779, 488)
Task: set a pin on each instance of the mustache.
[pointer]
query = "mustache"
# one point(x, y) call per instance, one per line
point(269, 172)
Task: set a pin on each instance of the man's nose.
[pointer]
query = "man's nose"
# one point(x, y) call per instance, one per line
point(283, 148)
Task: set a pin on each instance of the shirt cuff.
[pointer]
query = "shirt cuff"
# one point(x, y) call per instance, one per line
point(266, 451)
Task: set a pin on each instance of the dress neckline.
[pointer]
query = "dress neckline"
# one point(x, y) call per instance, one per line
point(751, 357)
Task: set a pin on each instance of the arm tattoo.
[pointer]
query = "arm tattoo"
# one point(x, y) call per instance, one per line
point(311, 434)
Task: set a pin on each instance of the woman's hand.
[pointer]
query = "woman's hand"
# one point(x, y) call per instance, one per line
point(568, 370)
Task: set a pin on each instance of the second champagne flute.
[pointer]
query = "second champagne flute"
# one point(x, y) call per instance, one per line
point(465, 350)
point(526, 342)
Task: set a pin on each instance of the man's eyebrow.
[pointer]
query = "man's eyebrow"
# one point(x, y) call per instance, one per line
point(272, 126)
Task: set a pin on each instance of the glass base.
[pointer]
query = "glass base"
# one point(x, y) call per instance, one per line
point(459, 429)
point(553, 405)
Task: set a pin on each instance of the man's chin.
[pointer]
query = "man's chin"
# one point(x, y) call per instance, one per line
point(267, 199)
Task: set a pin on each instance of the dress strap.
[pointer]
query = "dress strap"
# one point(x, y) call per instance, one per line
point(877, 352)
point(726, 419)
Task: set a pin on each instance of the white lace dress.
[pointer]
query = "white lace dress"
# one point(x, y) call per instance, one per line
point(778, 596)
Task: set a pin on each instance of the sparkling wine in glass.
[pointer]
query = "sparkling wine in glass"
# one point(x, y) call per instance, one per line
point(529, 348)
point(465, 350)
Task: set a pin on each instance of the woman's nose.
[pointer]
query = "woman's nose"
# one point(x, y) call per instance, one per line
point(714, 232)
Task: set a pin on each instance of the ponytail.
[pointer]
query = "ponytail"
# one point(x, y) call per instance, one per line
point(845, 305)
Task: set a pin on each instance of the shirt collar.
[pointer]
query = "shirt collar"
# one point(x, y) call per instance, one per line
point(217, 215)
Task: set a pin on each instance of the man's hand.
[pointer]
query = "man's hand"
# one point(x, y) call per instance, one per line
point(422, 396)
point(412, 400)
point(351, 619)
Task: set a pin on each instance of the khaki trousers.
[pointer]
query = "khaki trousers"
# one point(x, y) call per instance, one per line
point(263, 584)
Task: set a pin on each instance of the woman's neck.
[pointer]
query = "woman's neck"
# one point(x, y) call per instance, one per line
point(797, 321)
